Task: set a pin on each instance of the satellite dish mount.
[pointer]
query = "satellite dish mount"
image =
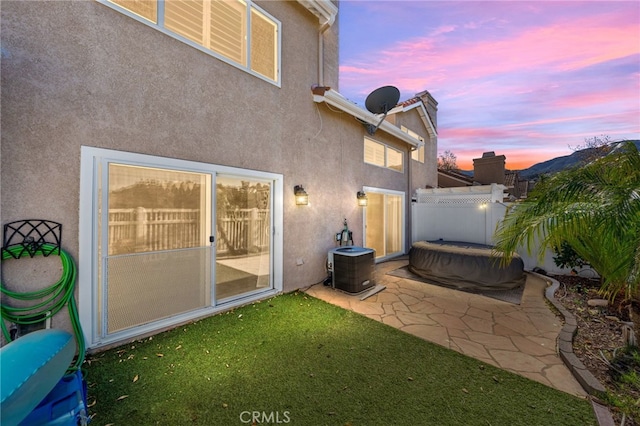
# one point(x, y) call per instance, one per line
point(381, 101)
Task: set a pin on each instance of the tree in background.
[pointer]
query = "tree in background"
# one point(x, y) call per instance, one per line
point(595, 209)
point(447, 161)
point(593, 148)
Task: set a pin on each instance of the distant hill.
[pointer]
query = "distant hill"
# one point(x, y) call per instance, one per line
point(559, 163)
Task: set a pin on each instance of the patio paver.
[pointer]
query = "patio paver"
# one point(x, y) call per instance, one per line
point(518, 338)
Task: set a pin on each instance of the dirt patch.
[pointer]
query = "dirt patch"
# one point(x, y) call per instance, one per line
point(600, 336)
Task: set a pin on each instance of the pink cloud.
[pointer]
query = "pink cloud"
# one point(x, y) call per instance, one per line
point(558, 120)
point(443, 30)
point(516, 158)
point(481, 133)
point(562, 47)
point(528, 92)
point(596, 97)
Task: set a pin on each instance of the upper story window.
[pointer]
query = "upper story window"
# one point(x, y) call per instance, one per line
point(379, 154)
point(418, 154)
point(236, 31)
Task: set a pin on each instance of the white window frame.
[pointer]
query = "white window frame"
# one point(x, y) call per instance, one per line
point(416, 154)
point(250, 6)
point(88, 238)
point(387, 148)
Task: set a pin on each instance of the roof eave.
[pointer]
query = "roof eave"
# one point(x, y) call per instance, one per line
point(424, 115)
point(325, 10)
point(335, 99)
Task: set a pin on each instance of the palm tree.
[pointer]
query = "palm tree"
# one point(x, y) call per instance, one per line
point(596, 209)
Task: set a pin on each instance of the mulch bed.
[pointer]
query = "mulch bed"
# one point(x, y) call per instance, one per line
point(600, 333)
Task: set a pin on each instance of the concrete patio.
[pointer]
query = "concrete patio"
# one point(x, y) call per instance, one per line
point(518, 338)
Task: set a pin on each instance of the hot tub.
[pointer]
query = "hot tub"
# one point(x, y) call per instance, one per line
point(466, 266)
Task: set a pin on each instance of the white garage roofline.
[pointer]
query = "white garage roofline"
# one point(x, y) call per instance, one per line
point(333, 98)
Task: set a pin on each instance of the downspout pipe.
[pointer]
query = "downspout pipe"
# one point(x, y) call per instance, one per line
point(323, 28)
point(409, 204)
point(326, 11)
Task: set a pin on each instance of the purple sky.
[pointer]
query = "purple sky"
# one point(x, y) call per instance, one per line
point(526, 79)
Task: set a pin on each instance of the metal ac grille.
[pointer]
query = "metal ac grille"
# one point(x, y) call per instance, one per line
point(147, 287)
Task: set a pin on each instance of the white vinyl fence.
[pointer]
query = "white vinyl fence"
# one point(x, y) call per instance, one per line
point(472, 223)
point(468, 214)
point(238, 232)
point(243, 231)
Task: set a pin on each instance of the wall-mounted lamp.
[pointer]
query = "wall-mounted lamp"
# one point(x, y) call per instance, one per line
point(362, 199)
point(302, 198)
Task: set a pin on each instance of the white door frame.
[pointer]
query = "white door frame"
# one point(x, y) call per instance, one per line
point(371, 189)
point(91, 159)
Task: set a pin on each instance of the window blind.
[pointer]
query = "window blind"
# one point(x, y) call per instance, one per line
point(220, 26)
point(263, 45)
point(373, 153)
point(147, 9)
point(227, 28)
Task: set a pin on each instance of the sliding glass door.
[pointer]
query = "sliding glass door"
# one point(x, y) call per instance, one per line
point(384, 222)
point(243, 223)
point(156, 249)
point(163, 241)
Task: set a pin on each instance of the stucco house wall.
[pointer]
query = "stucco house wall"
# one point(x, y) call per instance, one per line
point(79, 73)
point(422, 174)
point(82, 74)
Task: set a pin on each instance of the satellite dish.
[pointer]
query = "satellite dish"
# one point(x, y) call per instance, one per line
point(381, 101)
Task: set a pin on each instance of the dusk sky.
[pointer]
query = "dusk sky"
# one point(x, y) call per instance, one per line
point(527, 79)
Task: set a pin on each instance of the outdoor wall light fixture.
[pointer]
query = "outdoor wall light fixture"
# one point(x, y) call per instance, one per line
point(362, 199)
point(302, 198)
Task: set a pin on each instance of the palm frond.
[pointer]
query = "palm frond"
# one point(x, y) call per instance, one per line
point(596, 208)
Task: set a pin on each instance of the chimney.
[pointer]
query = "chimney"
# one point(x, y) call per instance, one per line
point(489, 169)
point(431, 105)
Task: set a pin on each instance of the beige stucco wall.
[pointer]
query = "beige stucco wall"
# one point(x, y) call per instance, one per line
point(419, 175)
point(79, 73)
point(422, 174)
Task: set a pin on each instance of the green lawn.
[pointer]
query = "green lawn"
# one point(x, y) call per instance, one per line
point(297, 360)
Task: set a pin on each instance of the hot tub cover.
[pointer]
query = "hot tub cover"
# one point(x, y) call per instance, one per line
point(464, 266)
